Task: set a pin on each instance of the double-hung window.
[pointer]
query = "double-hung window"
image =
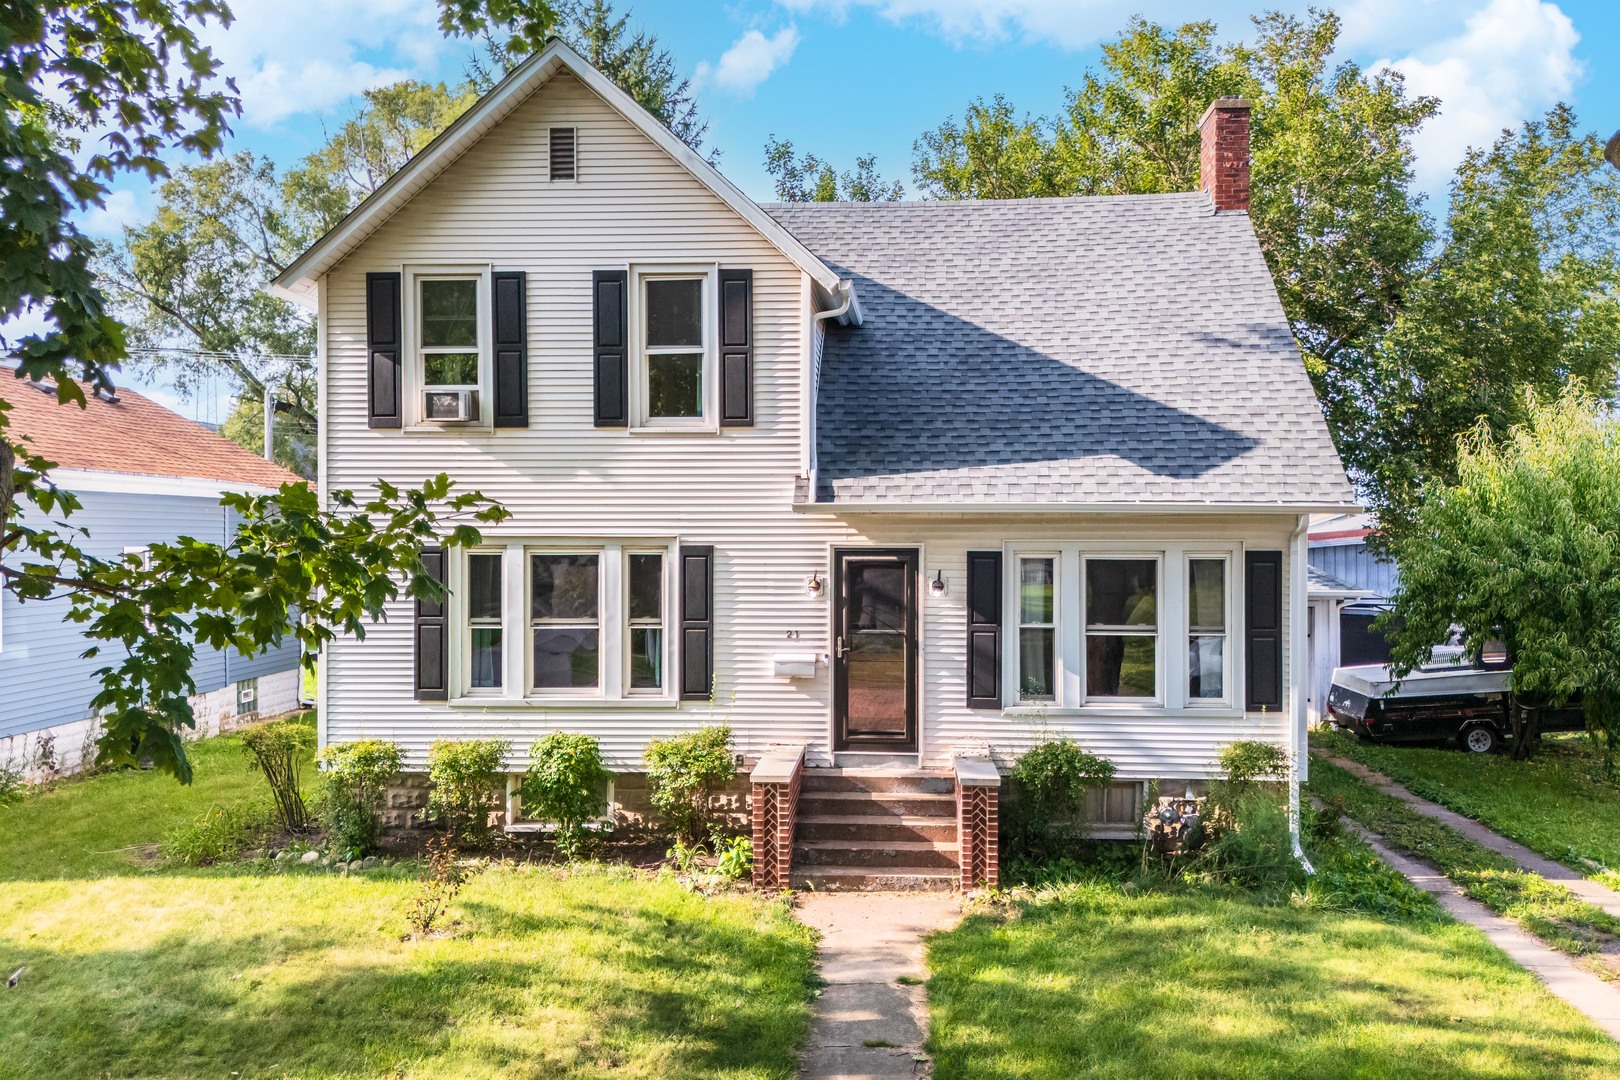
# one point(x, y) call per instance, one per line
point(674, 369)
point(1100, 625)
point(447, 318)
point(550, 622)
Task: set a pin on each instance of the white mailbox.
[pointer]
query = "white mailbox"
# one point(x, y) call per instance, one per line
point(794, 665)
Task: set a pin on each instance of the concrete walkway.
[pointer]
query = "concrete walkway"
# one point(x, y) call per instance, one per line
point(867, 1023)
point(1597, 895)
point(1599, 1000)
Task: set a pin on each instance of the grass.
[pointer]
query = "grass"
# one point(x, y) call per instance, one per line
point(1546, 909)
point(137, 969)
point(1559, 803)
point(1099, 981)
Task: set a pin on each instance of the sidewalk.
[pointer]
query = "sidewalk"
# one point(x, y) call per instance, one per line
point(1599, 896)
point(867, 1023)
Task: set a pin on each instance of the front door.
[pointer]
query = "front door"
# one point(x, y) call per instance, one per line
point(875, 649)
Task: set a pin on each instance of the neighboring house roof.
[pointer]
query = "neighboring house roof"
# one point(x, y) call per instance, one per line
point(1321, 583)
point(1091, 352)
point(297, 282)
point(1341, 527)
point(131, 435)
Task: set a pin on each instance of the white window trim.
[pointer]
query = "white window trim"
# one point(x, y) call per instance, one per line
point(413, 382)
point(613, 622)
point(709, 422)
point(1173, 631)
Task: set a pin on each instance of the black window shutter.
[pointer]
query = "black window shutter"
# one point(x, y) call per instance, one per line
point(736, 348)
point(609, 337)
point(511, 348)
point(697, 622)
point(1262, 626)
point(984, 629)
point(383, 349)
point(432, 636)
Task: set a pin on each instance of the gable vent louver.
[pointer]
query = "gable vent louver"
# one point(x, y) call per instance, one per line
point(562, 153)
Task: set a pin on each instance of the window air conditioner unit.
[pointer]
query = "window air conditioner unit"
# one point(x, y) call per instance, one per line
point(450, 406)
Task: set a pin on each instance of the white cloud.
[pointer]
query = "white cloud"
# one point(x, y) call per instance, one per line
point(122, 207)
point(750, 61)
point(1513, 59)
point(298, 56)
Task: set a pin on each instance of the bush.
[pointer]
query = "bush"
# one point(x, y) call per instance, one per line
point(220, 834)
point(734, 858)
point(564, 786)
point(279, 749)
point(684, 773)
point(351, 801)
point(1249, 845)
point(466, 778)
point(1045, 818)
point(13, 785)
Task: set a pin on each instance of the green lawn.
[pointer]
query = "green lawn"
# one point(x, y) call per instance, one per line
point(139, 971)
point(1100, 981)
point(1559, 803)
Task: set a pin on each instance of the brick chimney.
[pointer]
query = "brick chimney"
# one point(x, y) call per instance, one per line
point(1223, 154)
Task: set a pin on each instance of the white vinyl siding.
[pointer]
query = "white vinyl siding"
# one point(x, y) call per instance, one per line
point(568, 481)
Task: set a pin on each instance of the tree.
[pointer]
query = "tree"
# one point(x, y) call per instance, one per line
point(1523, 294)
point(139, 71)
point(1524, 547)
point(634, 61)
point(993, 154)
point(810, 179)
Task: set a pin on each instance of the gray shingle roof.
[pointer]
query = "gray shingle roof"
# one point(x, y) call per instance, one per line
point(1318, 580)
point(1125, 349)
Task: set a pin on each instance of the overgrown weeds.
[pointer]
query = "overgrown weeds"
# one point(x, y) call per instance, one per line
point(443, 876)
point(279, 750)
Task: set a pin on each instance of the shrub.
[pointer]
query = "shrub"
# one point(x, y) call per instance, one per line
point(1045, 818)
point(442, 878)
point(13, 785)
point(279, 749)
point(351, 801)
point(219, 834)
point(684, 772)
point(1249, 845)
point(734, 859)
point(564, 786)
point(466, 778)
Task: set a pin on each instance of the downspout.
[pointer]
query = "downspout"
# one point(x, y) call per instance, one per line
point(1296, 697)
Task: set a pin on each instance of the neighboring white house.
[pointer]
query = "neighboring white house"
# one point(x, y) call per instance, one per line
point(1350, 587)
point(143, 475)
point(896, 484)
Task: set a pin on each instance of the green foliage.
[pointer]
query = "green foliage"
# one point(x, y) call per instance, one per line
point(351, 801)
point(1248, 761)
point(1525, 547)
point(810, 179)
point(734, 858)
point(564, 786)
point(280, 749)
point(1045, 817)
point(1522, 296)
point(1544, 908)
point(1249, 845)
point(684, 772)
point(220, 834)
point(442, 879)
point(13, 786)
point(467, 782)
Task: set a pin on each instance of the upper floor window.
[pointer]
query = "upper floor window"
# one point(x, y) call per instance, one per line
point(673, 373)
point(446, 316)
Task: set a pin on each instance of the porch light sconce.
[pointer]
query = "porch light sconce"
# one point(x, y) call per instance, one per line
point(814, 586)
point(937, 588)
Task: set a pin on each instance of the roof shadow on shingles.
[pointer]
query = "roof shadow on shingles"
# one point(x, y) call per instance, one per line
point(963, 397)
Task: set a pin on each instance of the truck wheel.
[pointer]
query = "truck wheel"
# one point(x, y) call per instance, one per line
point(1479, 739)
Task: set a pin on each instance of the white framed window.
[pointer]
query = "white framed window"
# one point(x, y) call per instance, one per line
point(563, 621)
point(1208, 619)
point(1122, 628)
point(1108, 626)
point(448, 349)
point(484, 641)
point(1037, 628)
point(673, 327)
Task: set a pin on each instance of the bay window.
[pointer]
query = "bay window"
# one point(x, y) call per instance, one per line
point(547, 622)
point(1096, 625)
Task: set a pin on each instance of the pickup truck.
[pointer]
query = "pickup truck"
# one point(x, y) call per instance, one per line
point(1446, 699)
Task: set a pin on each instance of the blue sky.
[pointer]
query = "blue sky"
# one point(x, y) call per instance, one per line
point(841, 77)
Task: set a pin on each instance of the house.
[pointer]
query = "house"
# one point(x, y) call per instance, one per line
point(896, 489)
point(143, 475)
point(1349, 587)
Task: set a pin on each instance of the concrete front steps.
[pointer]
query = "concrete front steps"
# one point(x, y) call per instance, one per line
point(875, 829)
